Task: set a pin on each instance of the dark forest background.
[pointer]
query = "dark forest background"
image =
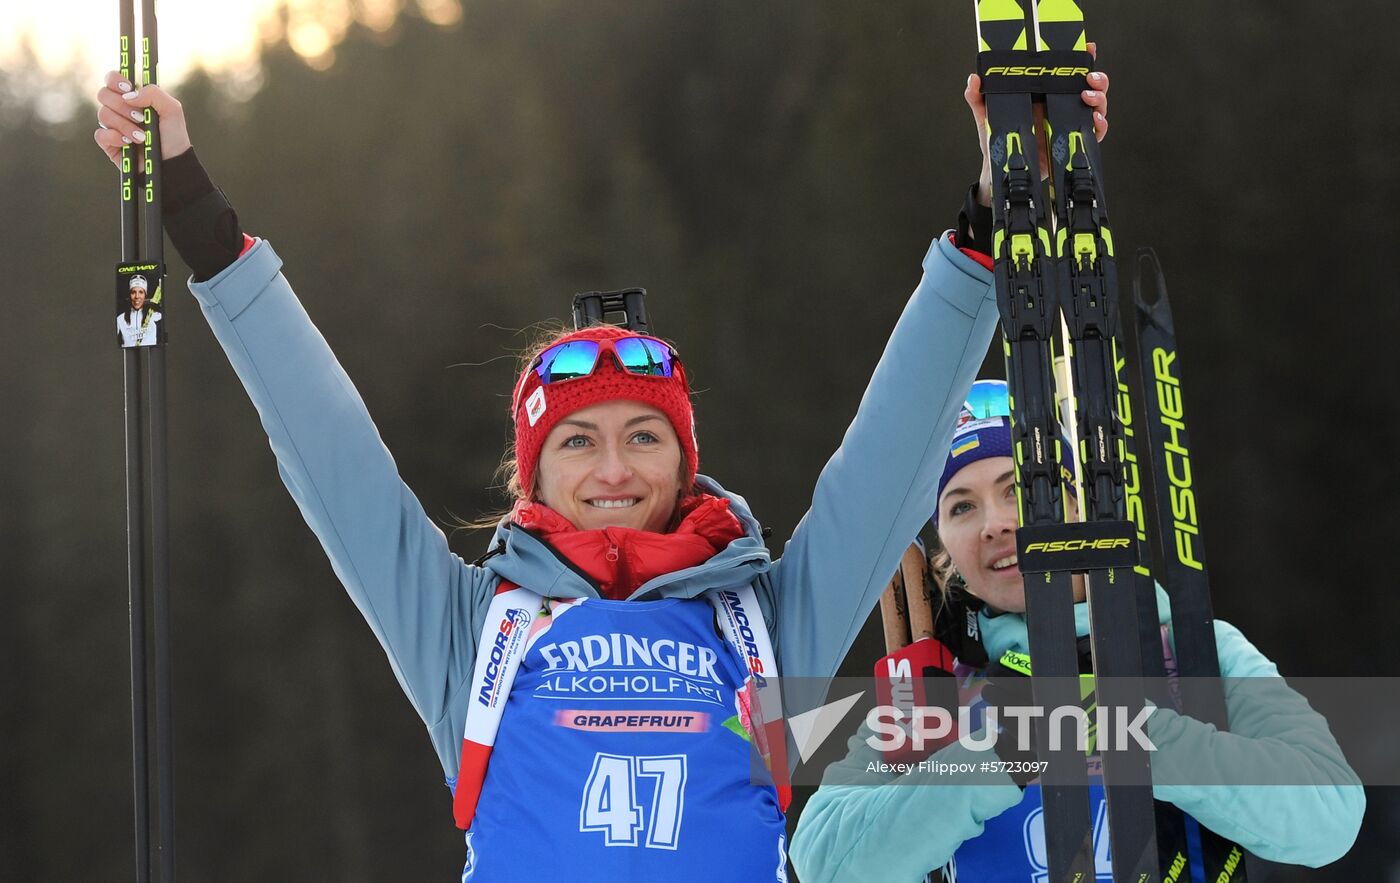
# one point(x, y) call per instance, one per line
point(773, 172)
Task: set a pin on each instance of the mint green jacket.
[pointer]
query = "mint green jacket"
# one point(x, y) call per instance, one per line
point(854, 830)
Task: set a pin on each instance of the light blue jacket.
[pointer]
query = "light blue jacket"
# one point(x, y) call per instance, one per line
point(853, 830)
point(426, 605)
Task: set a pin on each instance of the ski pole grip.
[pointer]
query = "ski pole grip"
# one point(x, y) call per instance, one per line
point(912, 681)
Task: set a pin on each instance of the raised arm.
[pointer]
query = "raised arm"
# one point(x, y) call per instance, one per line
point(422, 602)
point(876, 489)
point(879, 485)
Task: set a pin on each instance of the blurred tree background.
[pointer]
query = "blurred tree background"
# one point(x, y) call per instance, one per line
point(773, 173)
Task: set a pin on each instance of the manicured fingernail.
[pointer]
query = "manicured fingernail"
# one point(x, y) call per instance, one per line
point(134, 93)
point(137, 115)
point(1090, 94)
point(1096, 77)
point(139, 135)
point(125, 87)
point(1098, 116)
point(126, 140)
point(969, 78)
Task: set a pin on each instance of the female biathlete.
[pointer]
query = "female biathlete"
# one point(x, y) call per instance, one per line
point(862, 826)
point(584, 683)
point(867, 823)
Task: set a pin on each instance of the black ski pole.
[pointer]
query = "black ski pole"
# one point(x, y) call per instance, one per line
point(153, 232)
point(135, 482)
point(141, 333)
point(153, 235)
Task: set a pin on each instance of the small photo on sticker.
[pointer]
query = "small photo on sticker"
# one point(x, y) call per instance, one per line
point(138, 309)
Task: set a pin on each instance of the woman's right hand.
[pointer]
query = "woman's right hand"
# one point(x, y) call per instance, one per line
point(120, 113)
point(1096, 96)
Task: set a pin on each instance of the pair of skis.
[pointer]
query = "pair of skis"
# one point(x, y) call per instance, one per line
point(924, 635)
point(1043, 266)
point(1055, 258)
point(147, 522)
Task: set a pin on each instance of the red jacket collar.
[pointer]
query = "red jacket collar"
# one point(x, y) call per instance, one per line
point(620, 559)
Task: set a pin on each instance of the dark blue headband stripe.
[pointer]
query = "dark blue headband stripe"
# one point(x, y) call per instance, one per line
point(980, 439)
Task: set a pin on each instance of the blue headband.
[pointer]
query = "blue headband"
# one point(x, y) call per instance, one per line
point(979, 439)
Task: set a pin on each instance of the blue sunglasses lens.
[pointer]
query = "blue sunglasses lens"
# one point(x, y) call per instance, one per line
point(578, 358)
point(987, 399)
point(644, 355)
point(567, 361)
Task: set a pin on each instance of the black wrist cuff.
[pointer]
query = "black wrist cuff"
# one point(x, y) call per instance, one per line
point(183, 180)
point(201, 224)
point(975, 224)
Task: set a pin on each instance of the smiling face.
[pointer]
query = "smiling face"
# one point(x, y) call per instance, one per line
point(977, 526)
point(138, 298)
point(614, 464)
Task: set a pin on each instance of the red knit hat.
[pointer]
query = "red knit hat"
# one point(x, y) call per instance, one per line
point(539, 407)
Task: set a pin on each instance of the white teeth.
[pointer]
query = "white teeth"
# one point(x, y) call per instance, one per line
point(1004, 562)
point(614, 504)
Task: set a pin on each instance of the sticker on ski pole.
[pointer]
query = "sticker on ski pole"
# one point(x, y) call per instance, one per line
point(139, 305)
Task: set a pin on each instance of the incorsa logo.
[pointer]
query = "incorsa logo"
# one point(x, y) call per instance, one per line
point(514, 617)
point(1030, 70)
point(741, 619)
point(1078, 545)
